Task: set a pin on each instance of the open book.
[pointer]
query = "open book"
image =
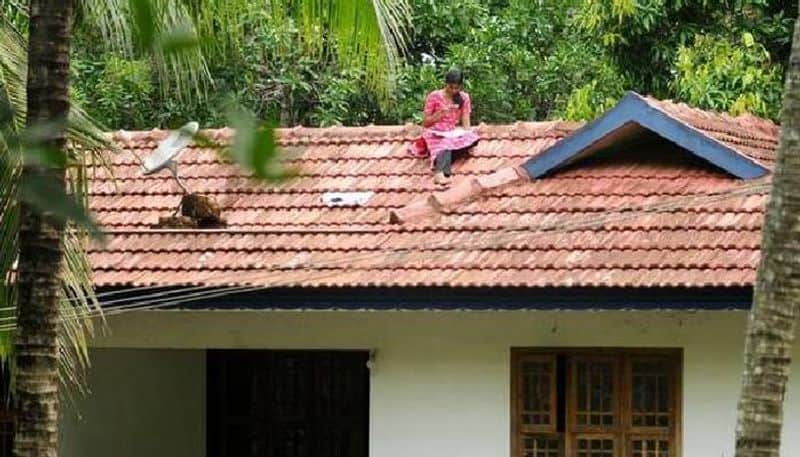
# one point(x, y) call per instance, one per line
point(455, 133)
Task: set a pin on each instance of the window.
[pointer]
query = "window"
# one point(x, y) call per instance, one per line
point(595, 403)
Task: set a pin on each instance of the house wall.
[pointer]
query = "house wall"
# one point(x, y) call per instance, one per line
point(143, 403)
point(440, 382)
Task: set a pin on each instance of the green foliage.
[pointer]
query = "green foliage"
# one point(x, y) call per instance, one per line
point(590, 101)
point(184, 40)
point(278, 72)
point(579, 81)
point(159, 31)
point(50, 198)
point(722, 75)
point(438, 23)
point(414, 82)
point(500, 70)
point(14, 14)
point(254, 146)
point(644, 36)
point(524, 60)
point(343, 100)
point(120, 91)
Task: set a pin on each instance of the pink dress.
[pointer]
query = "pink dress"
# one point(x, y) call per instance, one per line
point(435, 142)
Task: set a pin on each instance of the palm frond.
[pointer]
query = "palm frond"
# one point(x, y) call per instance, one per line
point(15, 13)
point(13, 72)
point(9, 175)
point(183, 73)
point(368, 34)
point(111, 18)
point(221, 25)
point(87, 143)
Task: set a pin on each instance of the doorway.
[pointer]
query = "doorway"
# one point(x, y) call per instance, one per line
point(287, 403)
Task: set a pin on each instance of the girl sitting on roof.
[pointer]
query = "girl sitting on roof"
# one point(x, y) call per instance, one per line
point(444, 109)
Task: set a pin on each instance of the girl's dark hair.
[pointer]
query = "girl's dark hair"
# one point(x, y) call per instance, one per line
point(455, 77)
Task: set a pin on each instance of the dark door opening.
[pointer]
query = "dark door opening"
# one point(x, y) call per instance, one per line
point(287, 403)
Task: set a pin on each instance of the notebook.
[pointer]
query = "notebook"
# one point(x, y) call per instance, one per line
point(455, 133)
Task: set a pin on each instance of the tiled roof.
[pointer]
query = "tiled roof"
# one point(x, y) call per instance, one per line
point(731, 144)
point(493, 227)
point(752, 136)
point(749, 135)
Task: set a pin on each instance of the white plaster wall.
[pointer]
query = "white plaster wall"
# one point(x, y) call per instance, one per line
point(440, 385)
point(144, 403)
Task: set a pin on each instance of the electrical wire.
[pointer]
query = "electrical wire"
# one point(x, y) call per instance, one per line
point(654, 207)
point(169, 298)
point(217, 290)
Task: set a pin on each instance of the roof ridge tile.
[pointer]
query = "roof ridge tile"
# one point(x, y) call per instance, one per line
point(463, 190)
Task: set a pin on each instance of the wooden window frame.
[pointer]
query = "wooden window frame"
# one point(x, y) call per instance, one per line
point(572, 440)
point(538, 429)
point(674, 391)
point(571, 388)
point(624, 431)
point(631, 437)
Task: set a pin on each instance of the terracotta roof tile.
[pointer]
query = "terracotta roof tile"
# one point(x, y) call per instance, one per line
point(631, 219)
point(752, 136)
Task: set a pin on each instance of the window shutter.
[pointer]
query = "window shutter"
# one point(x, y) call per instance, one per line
point(595, 402)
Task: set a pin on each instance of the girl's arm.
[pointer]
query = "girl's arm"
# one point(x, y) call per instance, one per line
point(466, 110)
point(433, 111)
point(433, 118)
point(465, 122)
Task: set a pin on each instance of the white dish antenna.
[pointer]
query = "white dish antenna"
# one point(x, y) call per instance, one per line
point(168, 150)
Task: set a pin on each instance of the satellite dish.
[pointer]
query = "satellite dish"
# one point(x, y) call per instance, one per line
point(168, 150)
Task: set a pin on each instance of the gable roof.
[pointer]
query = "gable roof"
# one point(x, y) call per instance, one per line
point(649, 216)
point(723, 141)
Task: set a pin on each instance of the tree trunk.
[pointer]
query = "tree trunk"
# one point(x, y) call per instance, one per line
point(771, 326)
point(287, 107)
point(41, 237)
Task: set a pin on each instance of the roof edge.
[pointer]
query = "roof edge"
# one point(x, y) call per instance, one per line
point(476, 298)
point(634, 108)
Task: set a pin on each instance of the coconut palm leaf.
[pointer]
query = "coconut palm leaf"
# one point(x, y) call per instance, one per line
point(368, 34)
point(87, 142)
point(184, 73)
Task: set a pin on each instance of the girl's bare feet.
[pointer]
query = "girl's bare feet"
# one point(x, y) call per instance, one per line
point(440, 179)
